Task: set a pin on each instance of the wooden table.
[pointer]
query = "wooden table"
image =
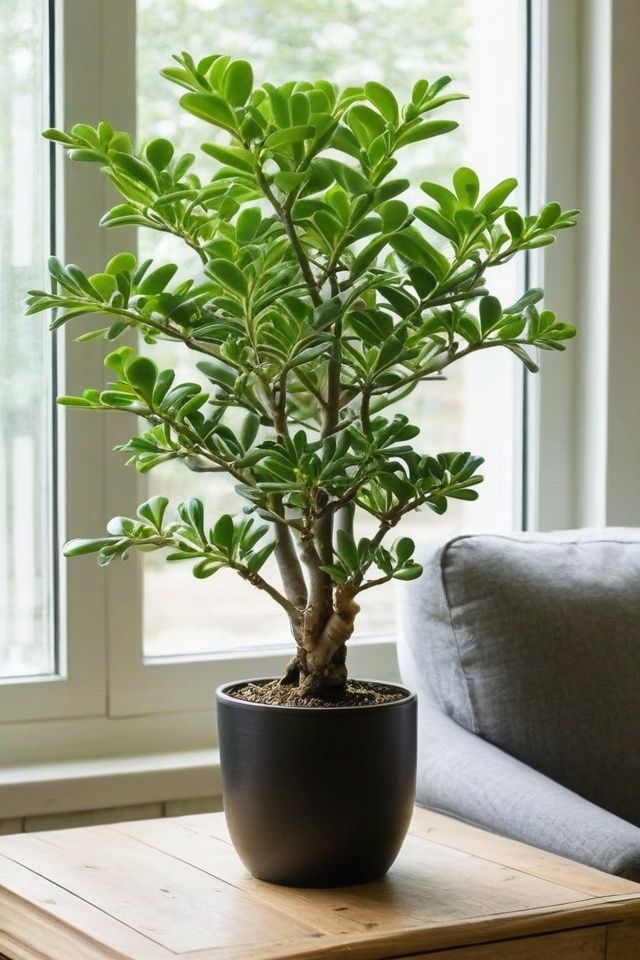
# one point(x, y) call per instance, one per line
point(174, 889)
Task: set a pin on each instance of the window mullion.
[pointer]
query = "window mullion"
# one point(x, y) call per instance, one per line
point(98, 84)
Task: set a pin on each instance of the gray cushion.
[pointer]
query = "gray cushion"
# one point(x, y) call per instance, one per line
point(533, 643)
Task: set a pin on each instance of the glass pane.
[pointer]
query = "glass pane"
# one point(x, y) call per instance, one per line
point(478, 409)
point(26, 646)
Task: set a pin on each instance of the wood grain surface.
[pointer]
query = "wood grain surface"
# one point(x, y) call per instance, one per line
point(174, 889)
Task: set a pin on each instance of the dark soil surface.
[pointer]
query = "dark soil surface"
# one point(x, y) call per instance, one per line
point(355, 694)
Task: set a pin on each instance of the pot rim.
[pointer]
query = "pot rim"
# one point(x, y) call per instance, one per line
point(223, 697)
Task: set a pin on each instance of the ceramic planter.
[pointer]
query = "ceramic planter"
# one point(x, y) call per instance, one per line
point(317, 796)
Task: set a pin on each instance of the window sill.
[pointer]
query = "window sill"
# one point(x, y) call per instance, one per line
point(68, 786)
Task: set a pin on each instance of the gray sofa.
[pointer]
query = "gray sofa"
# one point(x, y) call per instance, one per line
point(525, 653)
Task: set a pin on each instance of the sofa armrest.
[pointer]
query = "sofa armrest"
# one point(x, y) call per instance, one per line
point(465, 776)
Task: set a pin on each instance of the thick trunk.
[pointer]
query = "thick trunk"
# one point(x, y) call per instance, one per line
point(320, 660)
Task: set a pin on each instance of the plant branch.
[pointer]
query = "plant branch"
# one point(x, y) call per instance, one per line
point(284, 216)
point(180, 234)
point(432, 373)
point(224, 466)
point(376, 540)
point(374, 583)
point(254, 578)
point(288, 562)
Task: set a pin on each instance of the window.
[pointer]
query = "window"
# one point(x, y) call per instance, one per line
point(26, 385)
point(140, 648)
point(394, 41)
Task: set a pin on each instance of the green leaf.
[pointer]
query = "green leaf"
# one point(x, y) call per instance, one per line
point(522, 355)
point(159, 153)
point(206, 568)
point(236, 157)
point(423, 281)
point(237, 82)
point(249, 430)
point(81, 281)
point(299, 108)
point(365, 123)
point(447, 201)
point(404, 549)
point(466, 185)
point(163, 385)
point(258, 558)
point(104, 284)
point(490, 313)
point(368, 254)
point(135, 169)
point(425, 131)
point(87, 156)
point(247, 224)
point(122, 142)
point(411, 572)
point(182, 165)
point(561, 331)
point(287, 180)
point(494, 199)
point(123, 214)
point(394, 213)
point(437, 222)
point(77, 548)
point(514, 223)
point(74, 402)
point(142, 373)
point(327, 226)
point(543, 241)
point(347, 550)
point(279, 108)
point(86, 133)
point(191, 512)
point(548, 215)
point(512, 329)
point(531, 296)
point(338, 199)
point(117, 359)
point(289, 135)
point(344, 140)
point(463, 494)
point(336, 573)
point(413, 247)
point(419, 91)
point(153, 510)
point(218, 372)
point(59, 272)
point(352, 181)
point(228, 276)
point(116, 329)
point(156, 281)
point(118, 399)
point(58, 136)
point(222, 533)
point(210, 107)
point(382, 98)
point(105, 133)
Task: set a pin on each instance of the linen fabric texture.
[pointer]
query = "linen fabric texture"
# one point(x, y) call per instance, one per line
point(525, 653)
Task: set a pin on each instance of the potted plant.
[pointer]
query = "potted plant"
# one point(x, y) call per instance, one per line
point(317, 302)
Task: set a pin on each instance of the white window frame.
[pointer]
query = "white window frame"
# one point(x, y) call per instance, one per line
point(110, 700)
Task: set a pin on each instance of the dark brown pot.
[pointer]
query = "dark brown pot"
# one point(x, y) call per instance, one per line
point(317, 796)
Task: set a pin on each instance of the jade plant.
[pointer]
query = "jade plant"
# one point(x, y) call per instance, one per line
point(318, 300)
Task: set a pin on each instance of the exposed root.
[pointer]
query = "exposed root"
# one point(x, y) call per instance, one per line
point(319, 663)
